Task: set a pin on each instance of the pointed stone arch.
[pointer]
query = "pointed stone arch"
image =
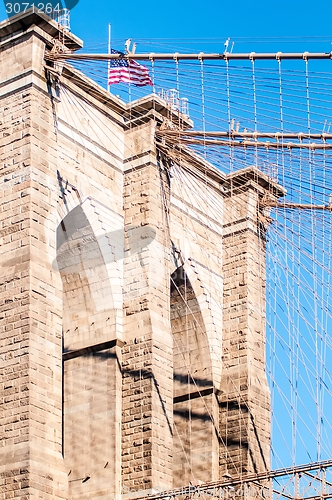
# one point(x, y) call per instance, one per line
point(108, 230)
point(87, 291)
point(195, 442)
point(208, 293)
point(87, 261)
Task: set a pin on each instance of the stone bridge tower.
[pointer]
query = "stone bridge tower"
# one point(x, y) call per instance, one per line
point(132, 291)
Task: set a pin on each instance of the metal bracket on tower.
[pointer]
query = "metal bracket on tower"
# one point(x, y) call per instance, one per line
point(130, 51)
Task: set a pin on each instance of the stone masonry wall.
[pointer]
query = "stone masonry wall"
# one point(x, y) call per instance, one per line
point(31, 462)
point(38, 166)
point(147, 424)
point(244, 399)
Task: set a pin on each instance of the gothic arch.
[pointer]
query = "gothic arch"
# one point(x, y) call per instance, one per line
point(91, 373)
point(194, 430)
point(209, 296)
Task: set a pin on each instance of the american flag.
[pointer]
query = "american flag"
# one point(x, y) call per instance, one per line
point(127, 71)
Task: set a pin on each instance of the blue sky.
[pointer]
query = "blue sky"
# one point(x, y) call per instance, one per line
point(195, 19)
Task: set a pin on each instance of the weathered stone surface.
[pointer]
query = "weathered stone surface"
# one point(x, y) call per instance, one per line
point(132, 293)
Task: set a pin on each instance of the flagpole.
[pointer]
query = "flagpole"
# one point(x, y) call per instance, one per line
point(109, 51)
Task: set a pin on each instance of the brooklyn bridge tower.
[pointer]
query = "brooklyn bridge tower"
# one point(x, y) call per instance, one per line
point(132, 290)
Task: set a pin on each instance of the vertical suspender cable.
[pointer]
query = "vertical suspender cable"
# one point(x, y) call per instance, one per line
point(177, 76)
point(109, 51)
point(203, 103)
point(314, 265)
point(292, 269)
point(281, 100)
point(231, 153)
point(255, 104)
point(153, 75)
point(326, 285)
point(307, 94)
point(289, 268)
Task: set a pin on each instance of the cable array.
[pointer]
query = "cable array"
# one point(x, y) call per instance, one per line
point(231, 98)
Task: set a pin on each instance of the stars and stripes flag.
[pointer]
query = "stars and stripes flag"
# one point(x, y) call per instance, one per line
point(127, 71)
